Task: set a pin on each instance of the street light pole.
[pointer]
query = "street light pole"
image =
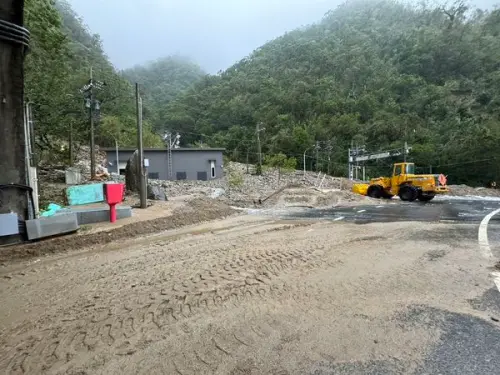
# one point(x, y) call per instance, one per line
point(307, 149)
point(259, 147)
point(117, 158)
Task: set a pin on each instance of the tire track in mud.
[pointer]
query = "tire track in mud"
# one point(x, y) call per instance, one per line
point(220, 348)
point(232, 277)
point(178, 281)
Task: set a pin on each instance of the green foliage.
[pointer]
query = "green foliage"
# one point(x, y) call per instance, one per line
point(161, 81)
point(62, 53)
point(235, 179)
point(280, 161)
point(258, 169)
point(124, 131)
point(373, 73)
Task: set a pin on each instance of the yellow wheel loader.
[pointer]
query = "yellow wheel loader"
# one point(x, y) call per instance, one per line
point(405, 184)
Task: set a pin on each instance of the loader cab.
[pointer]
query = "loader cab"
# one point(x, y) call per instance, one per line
point(400, 172)
point(403, 169)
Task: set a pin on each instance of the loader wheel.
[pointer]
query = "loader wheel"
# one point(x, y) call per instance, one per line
point(374, 191)
point(408, 193)
point(425, 197)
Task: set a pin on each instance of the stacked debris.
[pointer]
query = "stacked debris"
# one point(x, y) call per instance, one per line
point(241, 189)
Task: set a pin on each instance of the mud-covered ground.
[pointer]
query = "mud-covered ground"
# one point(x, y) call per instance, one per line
point(254, 295)
point(192, 212)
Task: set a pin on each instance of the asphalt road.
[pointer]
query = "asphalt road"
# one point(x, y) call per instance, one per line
point(469, 345)
point(469, 211)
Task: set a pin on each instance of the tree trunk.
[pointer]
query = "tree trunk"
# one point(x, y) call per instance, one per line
point(12, 143)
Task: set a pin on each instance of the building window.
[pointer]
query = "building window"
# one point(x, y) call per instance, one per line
point(202, 176)
point(181, 175)
point(212, 168)
point(154, 176)
point(397, 170)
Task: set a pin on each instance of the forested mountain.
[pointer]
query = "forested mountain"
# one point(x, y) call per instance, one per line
point(162, 81)
point(62, 53)
point(374, 73)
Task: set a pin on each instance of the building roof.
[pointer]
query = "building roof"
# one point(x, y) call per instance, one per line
point(131, 149)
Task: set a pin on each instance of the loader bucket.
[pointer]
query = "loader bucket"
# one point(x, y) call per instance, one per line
point(360, 189)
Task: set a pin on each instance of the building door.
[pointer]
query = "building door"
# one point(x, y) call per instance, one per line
point(202, 176)
point(212, 168)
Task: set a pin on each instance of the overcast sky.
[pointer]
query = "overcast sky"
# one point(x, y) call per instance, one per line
point(213, 33)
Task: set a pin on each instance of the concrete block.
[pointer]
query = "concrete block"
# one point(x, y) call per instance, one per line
point(51, 226)
point(98, 214)
point(73, 176)
point(85, 194)
point(9, 224)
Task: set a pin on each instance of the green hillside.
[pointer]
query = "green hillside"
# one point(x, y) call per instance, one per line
point(63, 50)
point(370, 73)
point(162, 81)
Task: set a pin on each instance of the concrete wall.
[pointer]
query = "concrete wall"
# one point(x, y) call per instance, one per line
point(194, 163)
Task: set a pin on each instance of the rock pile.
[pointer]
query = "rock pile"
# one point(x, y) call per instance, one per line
point(464, 190)
point(241, 189)
point(82, 160)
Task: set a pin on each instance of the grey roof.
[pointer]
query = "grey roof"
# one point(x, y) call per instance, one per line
point(130, 149)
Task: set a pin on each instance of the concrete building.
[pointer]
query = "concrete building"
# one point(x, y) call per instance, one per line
point(187, 163)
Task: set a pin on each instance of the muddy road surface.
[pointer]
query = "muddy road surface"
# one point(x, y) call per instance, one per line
point(258, 295)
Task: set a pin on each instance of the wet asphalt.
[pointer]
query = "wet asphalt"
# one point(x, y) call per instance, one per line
point(469, 345)
point(468, 211)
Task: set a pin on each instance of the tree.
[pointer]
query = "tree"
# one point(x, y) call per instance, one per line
point(63, 50)
point(12, 153)
point(281, 163)
point(162, 80)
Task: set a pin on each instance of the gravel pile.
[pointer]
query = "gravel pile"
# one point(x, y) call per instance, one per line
point(464, 190)
point(241, 189)
point(82, 160)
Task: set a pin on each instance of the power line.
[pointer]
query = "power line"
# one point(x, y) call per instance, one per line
point(466, 162)
point(299, 156)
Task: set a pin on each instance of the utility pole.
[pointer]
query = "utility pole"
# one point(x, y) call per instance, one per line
point(329, 148)
point(357, 163)
point(92, 139)
point(248, 152)
point(117, 152)
point(349, 164)
point(92, 104)
point(317, 155)
point(71, 144)
point(140, 167)
point(259, 148)
point(14, 40)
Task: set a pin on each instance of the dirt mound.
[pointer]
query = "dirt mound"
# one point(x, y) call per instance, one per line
point(196, 211)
